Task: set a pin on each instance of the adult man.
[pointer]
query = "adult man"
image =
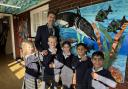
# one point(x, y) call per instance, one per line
point(44, 31)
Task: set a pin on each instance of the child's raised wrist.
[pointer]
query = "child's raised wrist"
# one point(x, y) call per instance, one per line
point(98, 77)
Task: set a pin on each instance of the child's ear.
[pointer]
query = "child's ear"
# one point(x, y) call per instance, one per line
point(91, 59)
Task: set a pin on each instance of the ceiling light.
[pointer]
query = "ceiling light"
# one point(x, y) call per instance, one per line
point(7, 5)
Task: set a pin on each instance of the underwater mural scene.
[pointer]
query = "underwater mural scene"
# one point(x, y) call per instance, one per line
point(102, 27)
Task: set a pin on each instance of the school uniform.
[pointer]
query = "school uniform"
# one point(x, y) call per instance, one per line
point(81, 69)
point(32, 72)
point(67, 70)
point(104, 81)
point(52, 75)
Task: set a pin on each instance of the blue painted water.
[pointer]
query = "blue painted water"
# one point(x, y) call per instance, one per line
point(119, 9)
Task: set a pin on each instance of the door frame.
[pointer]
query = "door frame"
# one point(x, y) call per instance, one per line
point(12, 33)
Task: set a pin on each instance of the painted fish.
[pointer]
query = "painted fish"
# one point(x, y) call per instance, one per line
point(117, 38)
point(77, 22)
point(102, 14)
point(116, 25)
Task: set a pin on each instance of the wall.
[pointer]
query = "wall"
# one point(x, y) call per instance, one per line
point(119, 8)
point(19, 21)
point(53, 4)
point(112, 36)
point(63, 5)
point(21, 29)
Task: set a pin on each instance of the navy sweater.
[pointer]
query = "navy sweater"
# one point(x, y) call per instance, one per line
point(81, 68)
point(88, 78)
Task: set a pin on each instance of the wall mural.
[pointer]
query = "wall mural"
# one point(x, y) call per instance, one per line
point(102, 27)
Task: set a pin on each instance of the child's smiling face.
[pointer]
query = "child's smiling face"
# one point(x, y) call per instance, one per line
point(97, 62)
point(81, 50)
point(29, 48)
point(52, 43)
point(66, 48)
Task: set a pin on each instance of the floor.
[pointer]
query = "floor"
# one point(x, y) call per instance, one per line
point(12, 72)
point(11, 75)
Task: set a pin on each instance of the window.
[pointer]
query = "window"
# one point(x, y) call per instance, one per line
point(38, 17)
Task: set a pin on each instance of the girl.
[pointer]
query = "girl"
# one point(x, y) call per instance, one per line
point(32, 66)
point(68, 61)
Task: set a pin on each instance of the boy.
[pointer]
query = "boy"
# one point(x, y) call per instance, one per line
point(98, 77)
point(52, 63)
point(83, 63)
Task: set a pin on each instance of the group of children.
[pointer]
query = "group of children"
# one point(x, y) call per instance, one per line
point(78, 72)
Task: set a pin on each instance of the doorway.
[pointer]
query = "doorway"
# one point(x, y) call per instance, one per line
point(7, 45)
point(4, 33)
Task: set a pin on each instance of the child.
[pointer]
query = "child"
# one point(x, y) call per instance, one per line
point(84, 62)
point(98, 77)
point(52, 63)
point(32, 67)
point(68, 61)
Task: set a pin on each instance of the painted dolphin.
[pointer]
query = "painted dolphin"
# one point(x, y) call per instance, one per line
point(76, 21)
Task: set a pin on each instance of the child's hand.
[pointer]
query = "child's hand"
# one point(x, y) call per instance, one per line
point(74, 78)
point(73, 86)
point(44, 52)
point(54, 51)
point(84, 58)
point(52, 65)
point(94, 75)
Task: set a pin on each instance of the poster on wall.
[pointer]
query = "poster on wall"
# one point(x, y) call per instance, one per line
point(102, 27)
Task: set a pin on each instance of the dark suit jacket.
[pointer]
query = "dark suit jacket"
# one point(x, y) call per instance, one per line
point(41, 39)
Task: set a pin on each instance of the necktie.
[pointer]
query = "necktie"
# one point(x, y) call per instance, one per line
point(50, 31)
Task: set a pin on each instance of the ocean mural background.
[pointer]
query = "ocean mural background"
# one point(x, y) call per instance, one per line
point(107, 38)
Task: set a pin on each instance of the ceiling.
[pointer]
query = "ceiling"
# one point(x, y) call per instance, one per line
point(18, 6)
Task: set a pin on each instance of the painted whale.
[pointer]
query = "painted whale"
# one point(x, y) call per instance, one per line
point(77, 22)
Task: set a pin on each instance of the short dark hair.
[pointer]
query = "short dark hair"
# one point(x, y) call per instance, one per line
point(66, 42)
point(98, 53)
point(51, 12)
point(82, 44)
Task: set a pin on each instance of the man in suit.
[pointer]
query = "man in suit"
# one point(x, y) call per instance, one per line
point(44, 31)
